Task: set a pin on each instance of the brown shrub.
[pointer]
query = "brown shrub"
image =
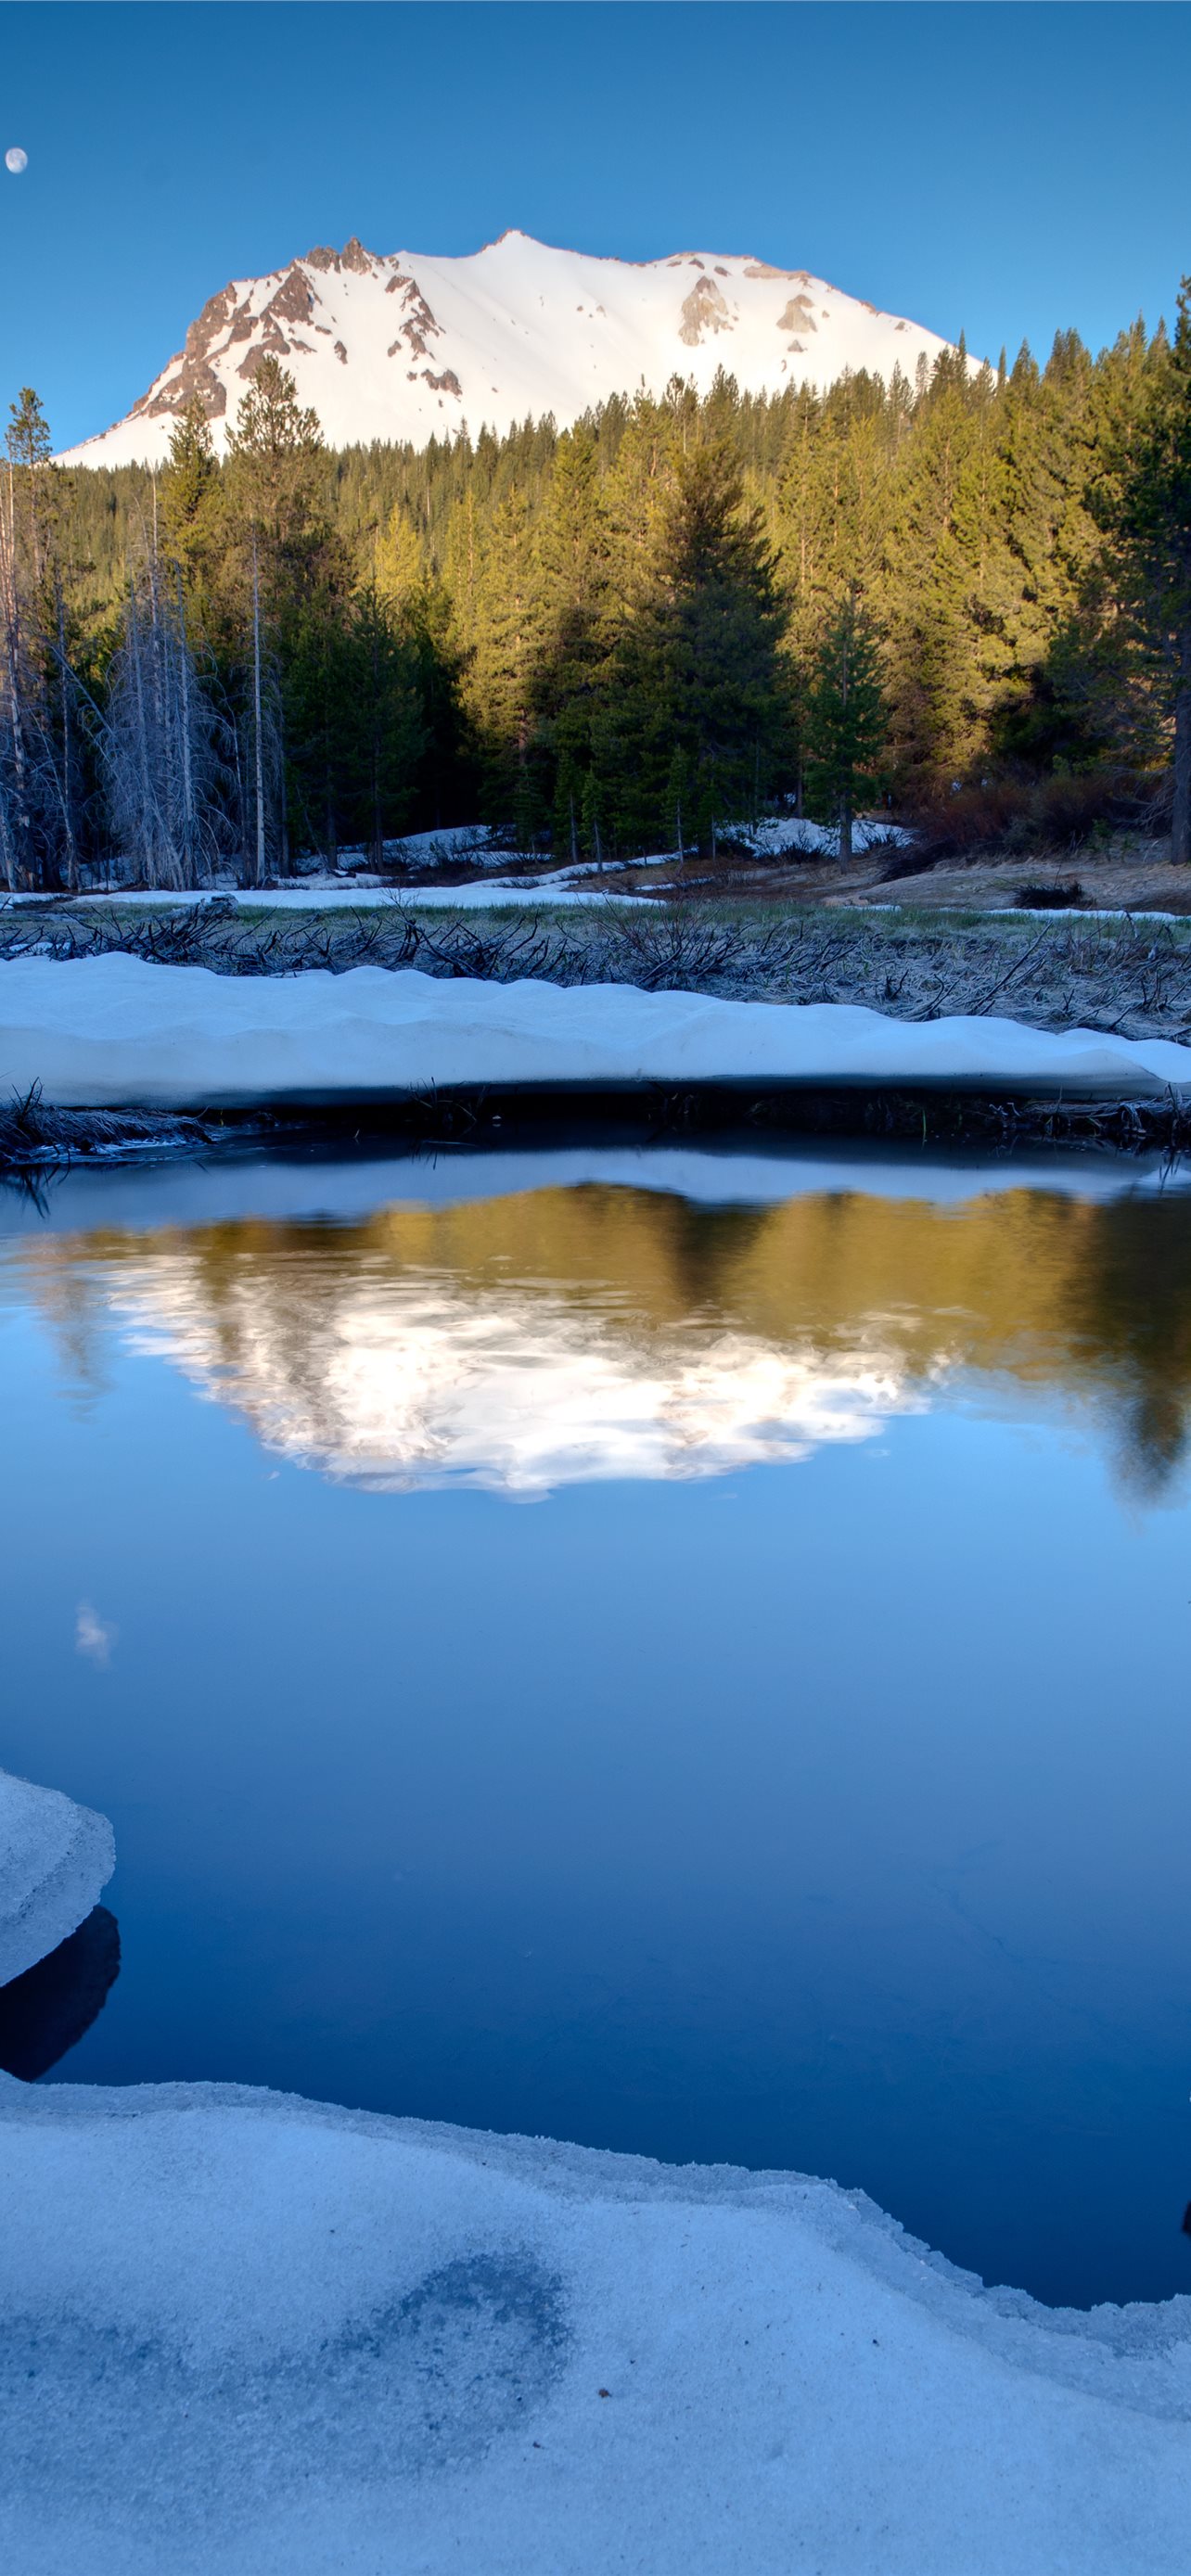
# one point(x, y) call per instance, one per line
point(1015, 815)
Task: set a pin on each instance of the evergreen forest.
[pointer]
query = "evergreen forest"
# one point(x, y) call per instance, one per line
point(959, 597)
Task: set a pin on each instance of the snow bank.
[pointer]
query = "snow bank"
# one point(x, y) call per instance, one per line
point(54, 1860)
point(793, 833)
point(472, 842)
point(243, 2332)
point(114, 1031)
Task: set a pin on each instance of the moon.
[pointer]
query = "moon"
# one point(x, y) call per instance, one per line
point(16, 160)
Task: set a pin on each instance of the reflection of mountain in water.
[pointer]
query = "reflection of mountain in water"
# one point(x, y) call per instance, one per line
point(524, 1342)
point(420, 1380)
point(52, 2006)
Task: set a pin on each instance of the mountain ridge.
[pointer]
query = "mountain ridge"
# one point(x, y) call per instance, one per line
point(417, 346)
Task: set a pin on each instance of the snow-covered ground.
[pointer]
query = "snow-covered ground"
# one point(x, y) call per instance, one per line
point(114, 1031)
point(366, 894)
point(457, 843)
point(792, 832)
point(244, 2335)
point(55, 1858)
point(487, 894)
point(472, 845)
point(405, 346)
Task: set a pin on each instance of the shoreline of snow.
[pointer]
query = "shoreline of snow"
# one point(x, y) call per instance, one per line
point(55, 1860)
point(277, 2335)
point(116, 1031)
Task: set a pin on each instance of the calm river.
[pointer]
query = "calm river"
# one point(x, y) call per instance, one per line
point(677, 1651)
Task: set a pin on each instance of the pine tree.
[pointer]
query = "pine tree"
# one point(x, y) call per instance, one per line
point(928, 573)
point(30, 479)
point(400, 568)
point(847, 718)
point(500, 674)
point(1151, 525)
point(277, 473)
point(698, 670)
point(191, 501)
point(280, 555)
point(836, 494)
point(572, 619)
point(39, 836)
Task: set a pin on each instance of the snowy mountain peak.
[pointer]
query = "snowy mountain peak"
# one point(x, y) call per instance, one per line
point(402, 346)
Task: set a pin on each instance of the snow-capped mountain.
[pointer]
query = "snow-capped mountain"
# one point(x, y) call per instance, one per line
point(402, 347)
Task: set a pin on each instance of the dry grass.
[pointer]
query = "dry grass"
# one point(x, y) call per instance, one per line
point(1127, 976)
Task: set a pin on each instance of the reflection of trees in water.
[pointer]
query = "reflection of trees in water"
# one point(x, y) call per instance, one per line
point(1032, 1289)
point(68, 1301)
point(1153, 1442)
point(1132, 1299)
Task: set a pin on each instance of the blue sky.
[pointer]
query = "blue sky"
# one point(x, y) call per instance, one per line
point(1005, 168)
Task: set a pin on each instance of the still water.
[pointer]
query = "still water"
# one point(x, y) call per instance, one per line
point(682, 1652)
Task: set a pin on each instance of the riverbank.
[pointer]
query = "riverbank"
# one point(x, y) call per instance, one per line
point(130, 1030)
point(36, 1141)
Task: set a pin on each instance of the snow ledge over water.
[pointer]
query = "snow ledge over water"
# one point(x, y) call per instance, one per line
point(249, 2333)
point(116, 1031)
point(55, 1858)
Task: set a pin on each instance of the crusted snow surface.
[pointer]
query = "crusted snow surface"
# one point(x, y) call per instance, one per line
point(115, 1031)
point(405, 346)
point(247, 2333)
point(55, 1857)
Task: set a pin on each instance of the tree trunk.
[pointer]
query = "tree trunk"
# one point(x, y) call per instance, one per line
point(1180, 828)
point(845, 832)
point(256, 718)
point(72, 857)
point(282, 788)
point(19, 860)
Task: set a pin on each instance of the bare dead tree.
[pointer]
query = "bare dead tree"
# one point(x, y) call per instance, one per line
point(165, 753)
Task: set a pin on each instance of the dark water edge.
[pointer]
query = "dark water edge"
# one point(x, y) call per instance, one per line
point(46, 2012)
point(35, 1136)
